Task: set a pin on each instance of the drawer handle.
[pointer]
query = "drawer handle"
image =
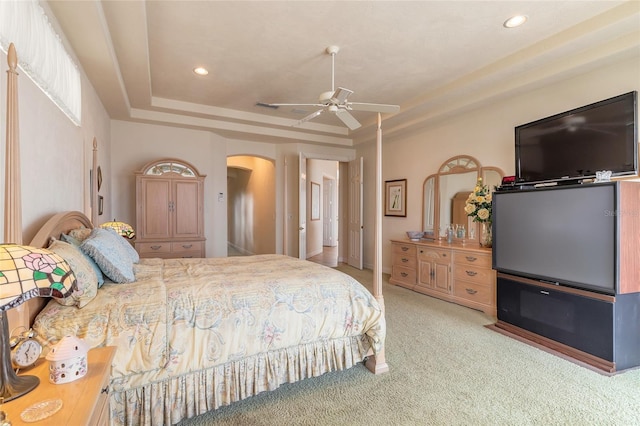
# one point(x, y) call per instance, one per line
point(405, 248)
point(405, 260)
point(187, 245)
point(105, 390)
point(156, 247)
point(444, 254)
point(471, 273)
point(471, 258)
point(187, 257)
point(471, 291)
point(404, 274)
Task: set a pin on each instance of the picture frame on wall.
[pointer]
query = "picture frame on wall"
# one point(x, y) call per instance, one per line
point(315, 201)
point(395, 196)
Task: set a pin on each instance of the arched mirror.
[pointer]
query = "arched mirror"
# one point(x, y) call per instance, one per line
point(445, 194)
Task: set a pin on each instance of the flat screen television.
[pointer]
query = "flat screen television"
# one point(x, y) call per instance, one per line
point(565, 235)
point(575, 144)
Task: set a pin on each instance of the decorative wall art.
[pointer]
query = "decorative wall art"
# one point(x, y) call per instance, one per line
point(395, 197)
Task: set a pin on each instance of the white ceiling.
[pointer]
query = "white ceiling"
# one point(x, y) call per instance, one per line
point(433, 58)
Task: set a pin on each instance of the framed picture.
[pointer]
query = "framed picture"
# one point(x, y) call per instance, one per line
point(315, 201)
point(99, 178)
point(395, 196)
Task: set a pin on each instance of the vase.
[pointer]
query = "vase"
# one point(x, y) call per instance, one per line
point(486, 238)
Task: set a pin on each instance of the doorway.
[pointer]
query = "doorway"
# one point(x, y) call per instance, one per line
point(323, 211)
point(251, 199)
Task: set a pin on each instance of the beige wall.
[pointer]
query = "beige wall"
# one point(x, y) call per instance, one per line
point(251, 212)
point(486, 133)
point(56, 155)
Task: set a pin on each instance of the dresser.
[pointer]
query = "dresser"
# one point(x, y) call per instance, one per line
point(170, 210)
point(456, 272)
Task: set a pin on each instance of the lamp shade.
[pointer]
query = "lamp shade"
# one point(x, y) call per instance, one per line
point(27, 272)
point(121, 228)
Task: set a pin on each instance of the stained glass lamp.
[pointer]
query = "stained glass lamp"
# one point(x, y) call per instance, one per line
point(26, 272)
point(121, 228)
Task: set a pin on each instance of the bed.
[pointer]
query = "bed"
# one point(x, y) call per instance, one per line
point(195, 334)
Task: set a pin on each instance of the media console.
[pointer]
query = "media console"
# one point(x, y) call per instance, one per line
point(570, 281)
point(600, 330)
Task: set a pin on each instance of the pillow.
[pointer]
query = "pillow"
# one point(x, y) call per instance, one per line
point(110, 256)
point(73, 241)
point(133, 254)
point(86, 280)
point(80, 234)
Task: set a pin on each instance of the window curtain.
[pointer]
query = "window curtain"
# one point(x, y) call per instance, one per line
point(41, 54)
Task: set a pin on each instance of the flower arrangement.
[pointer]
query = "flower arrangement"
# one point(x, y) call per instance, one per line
point(478, 203)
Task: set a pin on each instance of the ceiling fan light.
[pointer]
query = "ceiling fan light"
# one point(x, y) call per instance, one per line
point(515, 21)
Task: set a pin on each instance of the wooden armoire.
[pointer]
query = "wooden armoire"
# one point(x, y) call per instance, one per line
point(170, 210)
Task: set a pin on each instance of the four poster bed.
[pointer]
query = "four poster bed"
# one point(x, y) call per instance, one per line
point(195, 334)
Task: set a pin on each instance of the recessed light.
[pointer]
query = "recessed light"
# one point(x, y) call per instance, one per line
point(515, 21)
point(201, 71)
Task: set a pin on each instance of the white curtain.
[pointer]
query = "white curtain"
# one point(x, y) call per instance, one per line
point(41, 54)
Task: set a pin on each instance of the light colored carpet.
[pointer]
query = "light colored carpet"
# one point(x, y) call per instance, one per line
point(446, 368)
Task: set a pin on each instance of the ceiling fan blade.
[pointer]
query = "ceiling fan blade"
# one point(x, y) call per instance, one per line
point(309, 117)
point(279, 105)
point(340, 95)
point(385, 108)
point(347, 119)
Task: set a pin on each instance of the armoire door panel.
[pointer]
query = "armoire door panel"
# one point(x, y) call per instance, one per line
point(187, 209)
point(157, 213)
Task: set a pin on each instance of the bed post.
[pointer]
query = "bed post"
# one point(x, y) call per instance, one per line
point(12, 197)
point(12, 192)
point(378, 364)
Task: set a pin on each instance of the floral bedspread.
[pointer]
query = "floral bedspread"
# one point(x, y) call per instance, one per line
point(189, 316)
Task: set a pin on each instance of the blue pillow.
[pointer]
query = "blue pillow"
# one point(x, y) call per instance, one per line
point(110, 255)
point(73, 241)
point(133, 254)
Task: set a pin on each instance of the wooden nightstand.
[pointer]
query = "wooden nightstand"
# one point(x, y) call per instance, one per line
point(84, 401)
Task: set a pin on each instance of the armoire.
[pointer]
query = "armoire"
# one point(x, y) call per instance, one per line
point(169, 210)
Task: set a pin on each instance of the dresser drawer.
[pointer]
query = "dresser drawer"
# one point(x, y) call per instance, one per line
point(434, 255)
point(405, 275)
point(476, 292)
point(152, 248)
point(403, 259)
point(181, 247)
point(471, 273)
point(475, 259)
point(100, 416)
point(404, 249)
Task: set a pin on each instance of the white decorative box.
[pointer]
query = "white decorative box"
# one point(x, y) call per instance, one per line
point(67, 360)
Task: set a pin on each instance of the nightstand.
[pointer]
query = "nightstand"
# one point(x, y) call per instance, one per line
point(84, 401)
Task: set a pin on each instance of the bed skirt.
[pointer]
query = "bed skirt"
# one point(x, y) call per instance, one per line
point(191, 394)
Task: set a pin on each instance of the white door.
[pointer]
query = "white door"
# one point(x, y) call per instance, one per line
point(355, 213)
point(329, 213)
point(302, 208)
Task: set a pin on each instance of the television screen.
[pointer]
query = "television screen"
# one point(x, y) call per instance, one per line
point(565, 235)
point(576, 144)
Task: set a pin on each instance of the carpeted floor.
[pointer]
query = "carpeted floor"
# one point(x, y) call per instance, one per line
point(446, 368)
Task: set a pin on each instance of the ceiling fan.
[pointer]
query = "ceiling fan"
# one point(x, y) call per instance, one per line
point(336, 101)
